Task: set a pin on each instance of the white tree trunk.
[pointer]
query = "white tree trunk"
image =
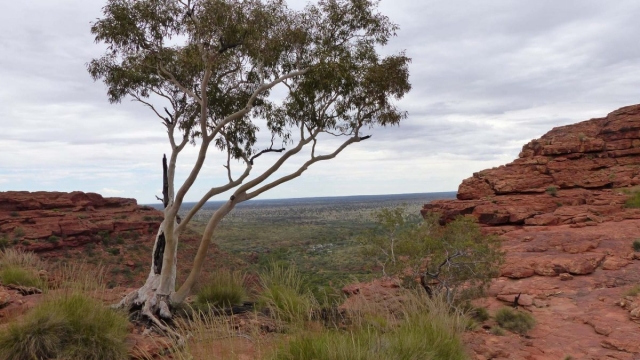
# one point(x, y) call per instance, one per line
point(154, 295)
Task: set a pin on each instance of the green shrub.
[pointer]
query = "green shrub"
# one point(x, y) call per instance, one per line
point(13, 275)
point(429, 330)
point(14, 214)
point(53, 239)
point(552, 190)
point(283, 294)
point(633, 201)
point(515, 321)
point(24, 259)
point(225, 289)
point(4, 241)
point(479, 314)
point(70, 326)
point(114, 251)
point(18, 232)
point(634, 291)
point(497, 331)
point(636, 245)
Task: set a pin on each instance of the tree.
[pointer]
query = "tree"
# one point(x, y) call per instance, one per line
point(250, 79)
point(455, 260)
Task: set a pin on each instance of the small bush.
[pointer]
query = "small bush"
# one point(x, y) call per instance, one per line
point(633, 201)
point(636, 245)
point(225, 289)
point(13, 275)
point(479, 314)
point(425, 330)
point(14, 214)
point(283, 294)
point(4, 241)
point(497, 331)
point(634, 291)
point(53, 239)
point(114, 251)
point(18, 232)
point(552, 190)
point(20, 258)
point(515, 321)
point(70, 326)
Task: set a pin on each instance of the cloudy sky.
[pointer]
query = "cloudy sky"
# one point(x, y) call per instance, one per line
point(487, 77)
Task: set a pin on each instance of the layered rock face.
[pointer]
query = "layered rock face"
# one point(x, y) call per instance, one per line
point(44, 221)
point(565, 177)
point(567, 237)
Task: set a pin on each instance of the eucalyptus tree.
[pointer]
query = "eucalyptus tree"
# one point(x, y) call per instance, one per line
point(254, 80)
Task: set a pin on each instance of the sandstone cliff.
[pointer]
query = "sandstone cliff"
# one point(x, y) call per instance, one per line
point(560, 212)
point(45, 221)
point(565, 177)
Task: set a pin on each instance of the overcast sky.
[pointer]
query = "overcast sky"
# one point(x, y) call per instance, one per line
point(487, 77)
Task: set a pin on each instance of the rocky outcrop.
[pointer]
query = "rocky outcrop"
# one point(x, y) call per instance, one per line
point(45, 221)
point(560, 212)
point(565, 177)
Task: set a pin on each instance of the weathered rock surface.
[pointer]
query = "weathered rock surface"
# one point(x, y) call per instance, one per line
point(565, 177)
point(45, 221)
point(568, 241)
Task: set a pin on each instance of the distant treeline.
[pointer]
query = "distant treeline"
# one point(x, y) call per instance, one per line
point(329, 200)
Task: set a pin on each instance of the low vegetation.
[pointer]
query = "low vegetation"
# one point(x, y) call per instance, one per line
point(633, 201)
point(456, 260)
point(634, 291)
point(423, 328)
point(67, 326)
point(224, 289)
point(515, 321)
point(636, 245)
point(20, 268)
point(284, 295)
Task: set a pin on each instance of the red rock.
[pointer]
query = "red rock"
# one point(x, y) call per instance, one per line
point(50, 220)
point(557, 216)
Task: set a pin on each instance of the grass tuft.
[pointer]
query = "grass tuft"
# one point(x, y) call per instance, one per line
point(634, 291)
point(636, 245)
point(633, 201)
point(20, 268)
point(515, 321)
point(283, 294)
point(225, 289)
point(13, 275)
point(67, 326)
point(426, 329)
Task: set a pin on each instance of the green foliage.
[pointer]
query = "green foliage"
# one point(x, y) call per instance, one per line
point(13, 275)
point(53, 239)
point(636, 245)
point(326, 53)
point(480, 314)
point(456, 254)
point(19, 268)
point(18, 232)
point(283, 294)
point(4, 241)
point(113, 251)
point(427, 329)
point(552, 190)
point(14, 214)
point(634, 291)
point(69, 326)
point(224, 289)
point(497, 331)
point(633, 201)
point(515, 321)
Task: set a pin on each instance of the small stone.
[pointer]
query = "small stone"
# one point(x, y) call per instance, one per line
point(566, 276)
